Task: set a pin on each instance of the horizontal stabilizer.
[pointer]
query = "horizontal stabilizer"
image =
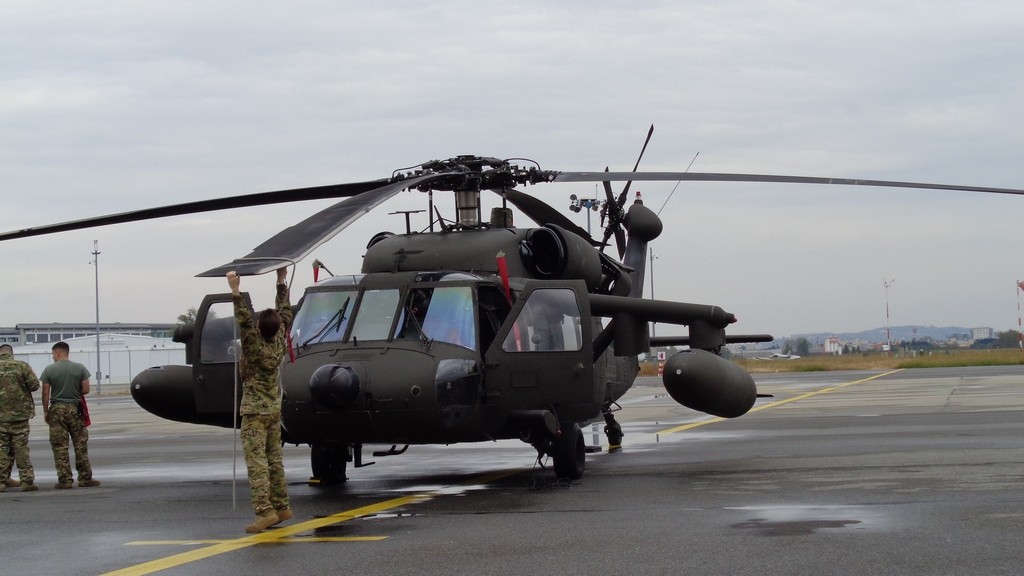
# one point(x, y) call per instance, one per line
point(729, 339)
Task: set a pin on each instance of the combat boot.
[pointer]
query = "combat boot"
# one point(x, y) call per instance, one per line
point(12, 483)
point(262, 522)
point(29, 488)
point(282, 515)
point(88, 483)
point(63, 485)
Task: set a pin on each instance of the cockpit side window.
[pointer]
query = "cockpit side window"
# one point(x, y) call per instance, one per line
point(450, 317)
point(219, 341)
point(442, 314)
point(548, 322)
point(493, 308)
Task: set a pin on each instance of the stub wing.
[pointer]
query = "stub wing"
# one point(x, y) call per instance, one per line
point(659, 310)
point(706, 322)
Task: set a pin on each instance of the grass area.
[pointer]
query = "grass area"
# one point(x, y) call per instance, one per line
point(875, 361)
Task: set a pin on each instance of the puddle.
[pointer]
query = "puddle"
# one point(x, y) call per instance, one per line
point(808, 519)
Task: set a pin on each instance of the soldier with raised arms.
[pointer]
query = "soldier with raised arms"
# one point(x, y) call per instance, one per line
point(263, 349)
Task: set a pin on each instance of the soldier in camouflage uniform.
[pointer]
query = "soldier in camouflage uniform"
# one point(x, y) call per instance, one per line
point(263, 348)
point(11, 482)
point(64, 384)
point(17, 383)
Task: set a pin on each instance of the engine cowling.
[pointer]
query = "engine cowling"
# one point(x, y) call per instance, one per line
point(708, 383)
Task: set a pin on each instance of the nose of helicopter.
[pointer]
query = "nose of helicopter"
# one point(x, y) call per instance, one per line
point(381, 395)
point(167, 391)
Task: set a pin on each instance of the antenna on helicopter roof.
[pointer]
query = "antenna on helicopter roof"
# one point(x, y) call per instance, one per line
point(677, 183)
point(408, 223)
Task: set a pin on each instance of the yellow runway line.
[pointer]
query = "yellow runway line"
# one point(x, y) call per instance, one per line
point(286, 534)
point(780, 402)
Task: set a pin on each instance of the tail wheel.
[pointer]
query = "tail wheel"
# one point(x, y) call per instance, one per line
point(569, 452)
point(329, 463)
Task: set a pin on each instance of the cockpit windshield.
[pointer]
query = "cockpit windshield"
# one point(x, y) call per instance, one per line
point(440, 314)
point(323, 317)
point(376, 314)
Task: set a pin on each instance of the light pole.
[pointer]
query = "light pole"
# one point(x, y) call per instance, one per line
point(653, 257)
point(96, 264)
point(1020, 331)
point(888, 336)
point(577, 204)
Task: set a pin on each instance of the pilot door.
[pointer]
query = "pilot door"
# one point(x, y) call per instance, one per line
point(542, 355)
point(215, 351)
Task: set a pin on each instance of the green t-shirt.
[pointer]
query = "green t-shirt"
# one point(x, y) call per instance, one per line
point(65, 379)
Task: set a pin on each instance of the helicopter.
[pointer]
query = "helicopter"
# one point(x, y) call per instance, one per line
point(472, 330)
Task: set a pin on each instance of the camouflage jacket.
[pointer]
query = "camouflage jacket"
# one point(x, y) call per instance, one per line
point(17, 383)
point(261, 360)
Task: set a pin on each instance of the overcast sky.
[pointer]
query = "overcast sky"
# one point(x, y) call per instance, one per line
point(115, 105)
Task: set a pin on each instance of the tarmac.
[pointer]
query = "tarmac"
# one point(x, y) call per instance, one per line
point(911, 472)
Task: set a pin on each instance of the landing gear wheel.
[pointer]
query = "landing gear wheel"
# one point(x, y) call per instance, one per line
point(569, 452)
point(329, 463)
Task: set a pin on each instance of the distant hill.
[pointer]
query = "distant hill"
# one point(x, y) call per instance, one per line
point(940, 333)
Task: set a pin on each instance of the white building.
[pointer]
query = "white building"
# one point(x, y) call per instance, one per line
point(121, 356)
point(982, 333)
point(833, 346)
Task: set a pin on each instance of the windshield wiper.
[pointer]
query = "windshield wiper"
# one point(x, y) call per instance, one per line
point(419, 327)
point(333, 324)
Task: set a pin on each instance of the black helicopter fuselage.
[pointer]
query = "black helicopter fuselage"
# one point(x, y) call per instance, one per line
point(399, 355)
point(442, 357)
point(462, 335)
point(475, 332)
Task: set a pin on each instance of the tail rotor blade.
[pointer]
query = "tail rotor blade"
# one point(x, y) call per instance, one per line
point(625, 190)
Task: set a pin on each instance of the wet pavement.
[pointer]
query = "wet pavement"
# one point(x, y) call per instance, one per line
point(910, 472)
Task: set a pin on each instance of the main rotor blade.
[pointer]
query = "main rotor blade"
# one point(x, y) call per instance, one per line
point(727, 177)
point(246, 200)
point(296, 242)
point(542, 213)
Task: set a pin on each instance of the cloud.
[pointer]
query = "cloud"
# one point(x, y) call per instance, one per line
point(114, 106)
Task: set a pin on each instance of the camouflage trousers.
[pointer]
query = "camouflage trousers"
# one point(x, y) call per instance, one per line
point(261, 442)
point(65, 424)
point(14, 448)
